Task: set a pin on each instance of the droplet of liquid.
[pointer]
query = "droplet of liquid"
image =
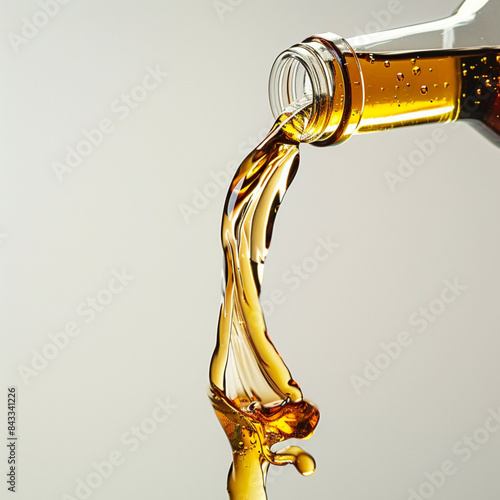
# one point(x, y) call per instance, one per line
point(372, 58)
point(305, 464)
point(464, 72)
point(413, 60)
point(382, 89)
point(387, 64)
point(446, 85)
point(478, 91)
point(400, 77)
point(416, 70)
point(408, 84)
point(424, 89)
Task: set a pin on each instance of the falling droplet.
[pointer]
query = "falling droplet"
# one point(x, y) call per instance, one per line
point(446, 85)
point(464, 72)
point(372, 58)
point(387, 64)
point(478, 91)
point(408, 84)
point(430, 69)
point(424, 89)
point(400, 77)
point(416, 70)
point(413, 60)
point(382, 89)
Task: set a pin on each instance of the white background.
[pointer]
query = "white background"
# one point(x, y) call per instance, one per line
point(120, 209)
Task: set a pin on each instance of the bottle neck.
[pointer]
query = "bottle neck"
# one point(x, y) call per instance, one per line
point(383, 80)
point(323, 74)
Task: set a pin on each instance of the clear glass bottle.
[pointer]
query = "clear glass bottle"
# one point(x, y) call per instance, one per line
point(438, 71)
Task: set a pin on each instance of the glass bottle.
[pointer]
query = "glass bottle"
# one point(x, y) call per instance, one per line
point(438, 71)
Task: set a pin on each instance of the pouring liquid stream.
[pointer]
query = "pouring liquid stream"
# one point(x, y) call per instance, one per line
point(251, 389)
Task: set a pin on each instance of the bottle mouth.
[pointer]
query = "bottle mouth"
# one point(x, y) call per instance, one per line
point(289, 80)
point(315, 75)
point(300, 78)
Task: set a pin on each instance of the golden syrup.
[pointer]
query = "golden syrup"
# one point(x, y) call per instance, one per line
point(253, 394)
point(429, 87)
point(252, 391)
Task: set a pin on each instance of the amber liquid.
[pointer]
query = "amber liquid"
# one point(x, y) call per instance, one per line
point(252, 391)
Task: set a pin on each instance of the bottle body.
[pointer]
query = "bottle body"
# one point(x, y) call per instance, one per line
point(375, 82)
point(408, 88)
